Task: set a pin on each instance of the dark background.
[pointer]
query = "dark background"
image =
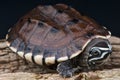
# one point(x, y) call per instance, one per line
point(105, 12)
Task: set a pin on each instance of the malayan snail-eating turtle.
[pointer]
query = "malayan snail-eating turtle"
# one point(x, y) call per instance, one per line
point(60, 35)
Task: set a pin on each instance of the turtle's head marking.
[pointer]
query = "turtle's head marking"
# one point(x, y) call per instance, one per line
point(99, 53)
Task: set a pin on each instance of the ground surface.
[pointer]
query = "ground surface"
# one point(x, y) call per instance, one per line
point(12, 67)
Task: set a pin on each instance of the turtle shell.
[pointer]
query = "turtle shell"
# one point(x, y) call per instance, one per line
point(50, 34)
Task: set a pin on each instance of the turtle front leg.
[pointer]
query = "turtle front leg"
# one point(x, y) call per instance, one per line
point(67, 69)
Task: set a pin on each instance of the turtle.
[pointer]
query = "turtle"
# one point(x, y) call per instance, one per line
point(59, 35)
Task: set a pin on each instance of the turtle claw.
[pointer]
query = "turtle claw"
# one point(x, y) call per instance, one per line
point(66, 73)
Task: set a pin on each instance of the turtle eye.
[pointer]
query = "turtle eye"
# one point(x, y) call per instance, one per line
point(95, 52)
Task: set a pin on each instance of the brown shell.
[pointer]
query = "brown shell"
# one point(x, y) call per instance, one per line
point(53, 33)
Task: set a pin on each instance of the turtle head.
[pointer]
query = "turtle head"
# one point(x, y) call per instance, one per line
point(99, 52)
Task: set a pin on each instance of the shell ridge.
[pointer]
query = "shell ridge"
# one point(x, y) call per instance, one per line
point(50, 20)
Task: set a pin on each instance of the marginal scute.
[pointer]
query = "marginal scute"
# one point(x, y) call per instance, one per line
point(37, 50)
point(28, 52)
point(71, 49)
point(49, 53)
point(37, 55)
point(50, 60)
point(61, 59)
point(28, 48)
point(28, 57)
point(62, 55)
point(38, 59)
point(21, 46)
point(20, 49)
point(20, 53)
point(75, 54)
point(78, 43)
point(13, 49)
point(14, 45)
